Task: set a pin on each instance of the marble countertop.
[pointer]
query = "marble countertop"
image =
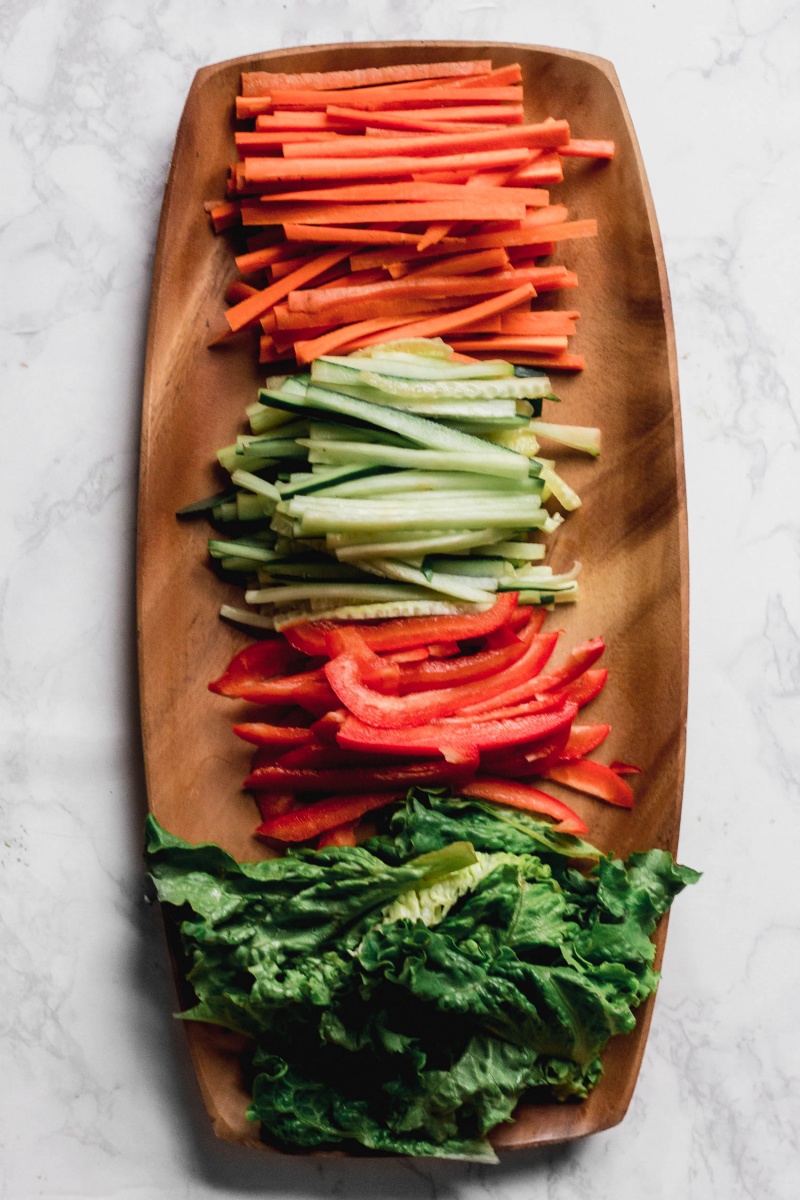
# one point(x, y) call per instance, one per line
point(98, 1099)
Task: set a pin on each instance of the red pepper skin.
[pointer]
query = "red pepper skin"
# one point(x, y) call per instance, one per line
point(261, 660)
point(273, 806)
point(586, 688)
point(342, 835)
point(446, 672)
point(593, 778)
point(526, 709)
point(359, 779)
point(327, 727)
point(444, 650)
point(416, 654)
point(405, 633)
point(579, 660)
point(526, 760)
point(621, 768)
point(375, 671)
point(392, 712)
point(583, 739)
point(260, 734)
point(310, 690)
point(456, 742)
point(529, 799)
point(305, 823)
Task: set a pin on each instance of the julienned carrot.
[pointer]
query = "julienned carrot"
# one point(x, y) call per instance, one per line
point(464, 264)
point(584, 148)
point(259, 83)
point(257, 260)
point(445, 322)
point(238, 290)
point(271, 141)
point(498, 77)
point(267, 122)
point(375, 99)
point(248, 311)
point(509, 114)
point(359, 193)
point(542, 322)
point(468, 209)
point(529, 234)
point(286, 318)
point(534, 344)
point(418, 127)
point(552, 134)
point(445, 286)
point(269, 353)
point(335, 233)
point(224, 215)
point(544, 169)
point(262, 170)
point(307, 351)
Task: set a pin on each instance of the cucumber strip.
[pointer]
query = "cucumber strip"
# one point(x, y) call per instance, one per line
point(316, 521)
point(333, 453)
point(482, 428)
point(379, 612)
point(232, 460)
point(415, 544)
point(220, 549)
point(206, 505)
point(523, 441)
point(263, 419)
point(243, 616)
point(565, 595)
point(445, 584)
point(226, 511)
point(319, 571)
point(332, 591)
point(479, 566)
point(518, 551)
point(578, 437)
point(250, 507)
point(236, 565)
point(266, 440)
point(328, 480)
point(252, 483)
point(321, 431)
point(458, 388)
point(404, 348)
point(566, 497)
point(380, 483)
point(410, 366)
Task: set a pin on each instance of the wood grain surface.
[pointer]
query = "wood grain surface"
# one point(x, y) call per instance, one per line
point(630, 534)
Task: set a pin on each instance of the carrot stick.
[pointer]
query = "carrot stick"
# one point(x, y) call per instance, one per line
point(259, 83)
point(249, 310)
point(238, 290)
point(317, 300)
point(252, 106)
point(464, 264)
point(285, 318)
point(265, 123)
point(336, 233)
point(257, 260)
point(543, 344)
point(356, 193)
point(374, 99)
point(545, 169)
point(430, 127)
point(224, 215)
point(539, 323)
point(307, 351)
point(468, 209)
point(510, 114)
point(544, 134)
point(583, 148)
point(434, 326)
point(272, 141)
point(262, 170)
point(268, 352)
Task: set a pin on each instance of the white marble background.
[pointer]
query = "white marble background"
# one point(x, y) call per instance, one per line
point(96, 1097)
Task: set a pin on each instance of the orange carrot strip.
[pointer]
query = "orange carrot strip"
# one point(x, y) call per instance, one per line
point(257, 260)
point(509, 114)
point(248, 311)
point(330, 233)
point(464, 264)
point(285, 339)
point(498, 77)
point(530, 233)
point(445, 322)
point(543, 134)
point(266, 123)
point(317, 300)
point(543, 322)
point(357, 193)
point(307, 351)
point(468, 209)
point(252, 106)
point(374, 99)
point(285, 318)
point(261, 170)
point(544, 169)
point(554, 214)
point(584, 148)
point(543, 344)
point(238, 290)
point(429, 127)
point(224, 215)
point(268, 351)
point(272, 142)
point(259, 83)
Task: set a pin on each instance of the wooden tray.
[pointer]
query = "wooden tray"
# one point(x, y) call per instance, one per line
point(630, 534)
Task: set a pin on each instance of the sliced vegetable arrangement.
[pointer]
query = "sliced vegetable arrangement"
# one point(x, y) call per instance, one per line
point(393, 482)
point(402, 996)
point(397, 202)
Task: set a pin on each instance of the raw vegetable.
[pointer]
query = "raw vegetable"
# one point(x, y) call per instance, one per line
point(404, 995)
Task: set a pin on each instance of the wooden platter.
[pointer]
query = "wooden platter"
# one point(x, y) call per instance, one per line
point(630, 534)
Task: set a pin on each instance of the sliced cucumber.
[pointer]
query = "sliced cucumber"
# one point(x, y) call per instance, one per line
point(336, 369)
point(244, 616)
point(328, 480)
point(458, 387)
point(352, 592)
point(340, 453)
point(253, 483)
point(207, 505)
point(444, 584)
point(578, 437)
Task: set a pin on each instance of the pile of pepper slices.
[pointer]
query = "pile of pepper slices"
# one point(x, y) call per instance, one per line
point(465, 701)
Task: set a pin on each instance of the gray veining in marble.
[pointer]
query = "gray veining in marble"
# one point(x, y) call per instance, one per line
point(97, 1097)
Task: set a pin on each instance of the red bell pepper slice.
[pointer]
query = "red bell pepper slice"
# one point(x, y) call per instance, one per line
point(543, 644)
point(446, 672)
point(261, 660)
point(583, 739)
point(310, 690)
point(526, 709)
point(273, 806)
point(456, 742)
point(528, 759)
point(578, 661)
point(443, 650)
point(305, 823)
point(402, 634)
point(342, 835)
point(260, 734)
point(375, 671)
point(527, 798)
point(416, 654)
point(586, 688)
point(391, 712)
point(327, 727)
point(359, 779)
point(595, 779)
point(621, 768)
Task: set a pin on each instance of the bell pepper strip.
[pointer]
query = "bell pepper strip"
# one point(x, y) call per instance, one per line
point(305, 823)
point(274, 805)
point(408, 632)
point(583, 739)
point(309, 690)
point(504, 712)
point(324, 756)
point(586, 688)
point(529, 799)
point(446, 672)
point(578, 661)
point(595, 779)
point(391, 712)
point(375, 671)
point(417, 654)
point(443, 649)
point(260, 734)
point(543, 644)
point(621, 768)
point(360, 779)
point(458, 744)
point(261, 660)
point(342, 835)
point(327, 727)
point(526, 760)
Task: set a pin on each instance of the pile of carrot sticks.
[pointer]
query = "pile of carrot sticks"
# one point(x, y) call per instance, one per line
point(399, 202)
